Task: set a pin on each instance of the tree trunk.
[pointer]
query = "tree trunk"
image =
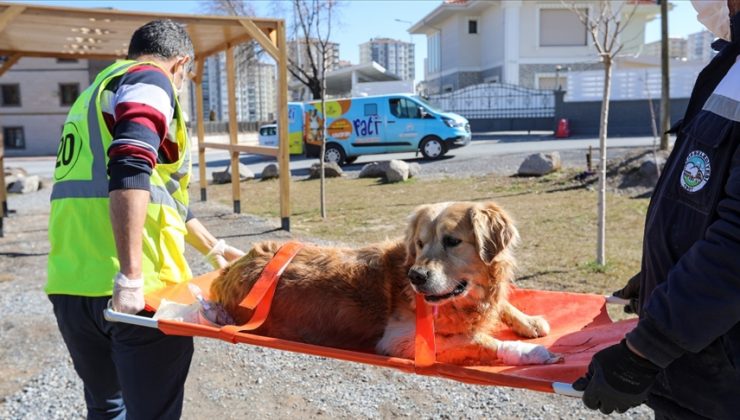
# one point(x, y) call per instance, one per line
point(601, 235)
point(323, 136)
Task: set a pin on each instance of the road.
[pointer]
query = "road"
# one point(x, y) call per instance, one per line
point(488, 144)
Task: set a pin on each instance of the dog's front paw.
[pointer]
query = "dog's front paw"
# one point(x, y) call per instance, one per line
point(532, 327)
point(520, 353)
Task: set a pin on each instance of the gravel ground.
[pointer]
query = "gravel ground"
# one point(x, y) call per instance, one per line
point(37, 380)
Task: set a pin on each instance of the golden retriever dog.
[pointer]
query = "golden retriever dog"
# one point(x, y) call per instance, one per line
point(458, 255)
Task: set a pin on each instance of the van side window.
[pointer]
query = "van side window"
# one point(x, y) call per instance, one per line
point(404, 108)
point(371, 109)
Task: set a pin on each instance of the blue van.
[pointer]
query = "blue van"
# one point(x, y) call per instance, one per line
point(382, 124)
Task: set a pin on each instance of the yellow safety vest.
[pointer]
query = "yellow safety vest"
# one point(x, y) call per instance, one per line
point(83, 257)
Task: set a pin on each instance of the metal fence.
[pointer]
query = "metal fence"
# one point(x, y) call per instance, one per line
point(215, 127)
point(497, 100)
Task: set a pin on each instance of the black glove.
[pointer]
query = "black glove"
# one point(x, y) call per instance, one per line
point(630, 291)
point(617, 379)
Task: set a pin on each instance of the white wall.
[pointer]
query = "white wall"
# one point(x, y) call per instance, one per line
point(41, 114)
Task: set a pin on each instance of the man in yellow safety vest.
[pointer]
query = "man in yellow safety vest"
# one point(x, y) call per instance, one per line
point(118, 225)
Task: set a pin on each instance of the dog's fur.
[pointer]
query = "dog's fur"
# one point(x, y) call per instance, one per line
point(458, 255)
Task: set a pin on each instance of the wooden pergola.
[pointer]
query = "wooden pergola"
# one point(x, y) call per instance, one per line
point(28, 30)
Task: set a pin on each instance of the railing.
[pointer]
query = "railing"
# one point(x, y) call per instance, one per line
point(497, 100)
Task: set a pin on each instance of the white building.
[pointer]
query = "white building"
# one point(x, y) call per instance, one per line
point(35, 97)
point(515, 41)
point(256, 89)
point(396, 56)
point(699, 46)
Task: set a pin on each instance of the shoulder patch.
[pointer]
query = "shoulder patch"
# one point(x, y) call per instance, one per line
point(696, 171)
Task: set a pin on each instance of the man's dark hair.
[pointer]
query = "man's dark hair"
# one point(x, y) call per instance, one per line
point(163, 38)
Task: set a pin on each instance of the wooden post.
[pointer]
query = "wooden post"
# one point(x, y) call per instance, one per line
point(3, 192)
point(282, 103)
point(233, 127)
point(200, 63)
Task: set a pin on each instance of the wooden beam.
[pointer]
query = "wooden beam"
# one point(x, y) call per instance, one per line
point(9, 63)
point(260, 37)
point(284, 144)
point(56, 54)
point(9, 14)
point(223, 46)
point(244, 148)
point(233, 127)
point(199, 65)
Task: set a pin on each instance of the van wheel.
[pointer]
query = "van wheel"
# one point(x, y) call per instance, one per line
point(334, 153)
point(432, 147)
point(350, 159)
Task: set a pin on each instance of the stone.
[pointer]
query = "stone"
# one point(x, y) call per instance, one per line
point(331, 170)
point(271, 171)
point(539, 164)
point(649, 169)
point(398, 171)
point(414, 169)
point(373, 170)
point(25, 185)
point(224, 177)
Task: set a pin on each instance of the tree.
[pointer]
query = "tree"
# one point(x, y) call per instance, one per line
point(604, 26)
point(310, 33)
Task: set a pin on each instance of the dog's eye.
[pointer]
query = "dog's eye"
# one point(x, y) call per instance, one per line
point(449, 241)
point(420, 244)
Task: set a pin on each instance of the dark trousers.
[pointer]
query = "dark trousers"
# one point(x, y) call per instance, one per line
point(128, 371)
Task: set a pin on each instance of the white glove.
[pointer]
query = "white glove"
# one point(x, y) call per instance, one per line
point(128, 294)
point(222, 254)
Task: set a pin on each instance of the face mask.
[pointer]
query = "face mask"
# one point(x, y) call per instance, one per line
point(715, 16)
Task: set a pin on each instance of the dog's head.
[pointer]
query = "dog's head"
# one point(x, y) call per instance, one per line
point(452, 249)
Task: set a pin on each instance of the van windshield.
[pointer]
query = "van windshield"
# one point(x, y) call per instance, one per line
point(426, 104)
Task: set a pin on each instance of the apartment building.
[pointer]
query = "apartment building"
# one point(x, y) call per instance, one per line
point(677, 49)
point(699, 46)
point(255, 94)
point(396, 56)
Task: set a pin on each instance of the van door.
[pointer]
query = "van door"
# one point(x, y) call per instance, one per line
point(368, 135)
point(405, 125)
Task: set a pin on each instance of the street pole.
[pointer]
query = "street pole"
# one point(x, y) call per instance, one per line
point(665, 105)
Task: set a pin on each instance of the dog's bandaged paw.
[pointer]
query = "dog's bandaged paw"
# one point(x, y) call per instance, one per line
point(521, 353)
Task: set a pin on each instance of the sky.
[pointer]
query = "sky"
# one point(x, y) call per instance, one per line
point(360, 20)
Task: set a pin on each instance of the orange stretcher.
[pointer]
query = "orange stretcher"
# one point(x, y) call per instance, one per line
point(579, 327)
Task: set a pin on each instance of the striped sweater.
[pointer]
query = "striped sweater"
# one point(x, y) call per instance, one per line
point(138, 109)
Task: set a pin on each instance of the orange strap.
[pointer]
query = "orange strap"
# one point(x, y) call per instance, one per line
point(260, 297)
point(425, 351)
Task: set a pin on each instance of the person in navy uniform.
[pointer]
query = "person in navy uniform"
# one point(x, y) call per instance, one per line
point(683, 356)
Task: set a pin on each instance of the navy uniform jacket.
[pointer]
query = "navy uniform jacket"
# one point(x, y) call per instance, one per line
point(690, 275)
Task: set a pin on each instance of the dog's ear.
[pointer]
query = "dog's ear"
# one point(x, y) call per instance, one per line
point(411, 229)
point(494, 230)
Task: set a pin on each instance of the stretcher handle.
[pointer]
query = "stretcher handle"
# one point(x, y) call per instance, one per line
point(564, 388)
point(114, 316)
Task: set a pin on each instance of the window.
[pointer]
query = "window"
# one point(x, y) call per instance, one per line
point(13, 138)
point(371, 109)
point(472, 26)
point(562, 28)
point(68, 93)
point(404, 108)
point(11, 95)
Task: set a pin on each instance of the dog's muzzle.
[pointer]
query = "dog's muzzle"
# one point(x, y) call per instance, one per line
point(419, 277)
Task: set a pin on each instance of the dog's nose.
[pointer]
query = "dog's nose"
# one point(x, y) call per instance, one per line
point(418, 276)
